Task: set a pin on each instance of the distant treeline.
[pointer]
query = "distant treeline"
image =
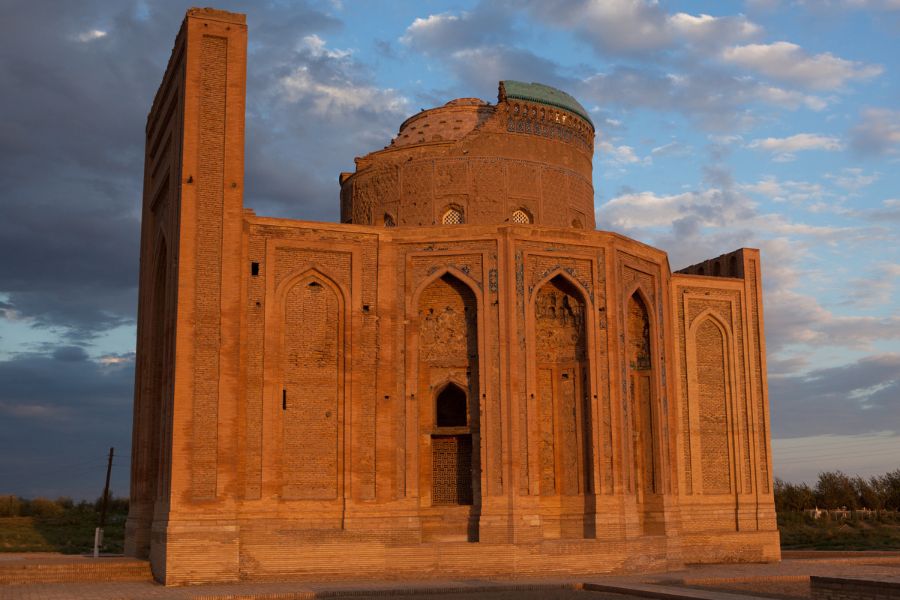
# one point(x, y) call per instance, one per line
point(837, 490)
point(14, 506)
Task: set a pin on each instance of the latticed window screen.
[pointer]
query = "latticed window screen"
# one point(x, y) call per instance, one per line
point(451, 469)
point(521, 217)
point(453, 216)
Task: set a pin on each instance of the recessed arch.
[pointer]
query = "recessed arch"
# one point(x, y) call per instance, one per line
point(569, 278)
point(311, 364)
point(711, 404)
point(445, 312)
point(560, 346)
point(312, 273)
point(643, 415)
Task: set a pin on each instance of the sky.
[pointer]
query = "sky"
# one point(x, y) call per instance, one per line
point(772, 124)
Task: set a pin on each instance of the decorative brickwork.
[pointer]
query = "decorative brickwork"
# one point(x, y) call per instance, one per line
point(713, 408)
point(311, 363)
point(461, 379)
point(208, 281)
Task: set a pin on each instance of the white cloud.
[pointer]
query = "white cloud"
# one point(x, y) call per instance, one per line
point(433, 28)
point(634, 27)
point(789, 62)
point(90, 35)
point(853, 179)
point(709, 29)
point(608, 152)
point(784, 148)
point(316, 47)
point(334, 98)
point(789, 98)
point(784, 191)
point(328, 85)
point(647, 209)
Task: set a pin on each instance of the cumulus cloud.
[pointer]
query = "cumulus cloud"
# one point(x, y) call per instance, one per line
point(639, 27)
point(784, 149)
point(619, 156)
point(336, 98)
point(713, 98)
point(877, 132)
point(777, 190)
point(487, 24)
point(788, 62)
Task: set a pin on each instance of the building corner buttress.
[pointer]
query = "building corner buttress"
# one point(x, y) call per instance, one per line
point(187, 365)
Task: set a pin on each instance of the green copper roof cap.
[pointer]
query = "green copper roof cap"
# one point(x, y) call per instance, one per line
point(538, 92)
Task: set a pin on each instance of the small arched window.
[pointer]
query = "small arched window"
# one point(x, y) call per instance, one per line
point(389, 220)
point(452, 216)
point(521, 217)
point(576, 223)
point(450, 409)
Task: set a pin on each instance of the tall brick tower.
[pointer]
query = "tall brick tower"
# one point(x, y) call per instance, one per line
point(188, 358)
point(461, 378)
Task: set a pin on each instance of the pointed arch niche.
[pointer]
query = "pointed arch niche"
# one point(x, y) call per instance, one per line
point(562, 389)
point(642, 418)
point(710, 398)
point(311, 360)
point(448, 404)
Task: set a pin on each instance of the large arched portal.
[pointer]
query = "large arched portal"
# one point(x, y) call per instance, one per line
point(564, 410)
point(449, 411)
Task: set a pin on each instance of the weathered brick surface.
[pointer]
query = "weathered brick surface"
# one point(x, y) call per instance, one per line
point(289, 372)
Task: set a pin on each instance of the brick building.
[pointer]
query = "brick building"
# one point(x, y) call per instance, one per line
point(463, 377)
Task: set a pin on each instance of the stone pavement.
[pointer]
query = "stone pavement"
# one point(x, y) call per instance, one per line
point(787, 579)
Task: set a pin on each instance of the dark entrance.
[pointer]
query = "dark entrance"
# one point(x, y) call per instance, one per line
point(451, 449)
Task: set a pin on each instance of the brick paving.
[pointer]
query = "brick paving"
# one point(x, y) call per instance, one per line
point(787, 579)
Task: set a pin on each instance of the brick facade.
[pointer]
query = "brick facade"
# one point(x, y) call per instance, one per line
point(392, 396)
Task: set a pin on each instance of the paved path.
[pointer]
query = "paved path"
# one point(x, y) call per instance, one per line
point(706, 582)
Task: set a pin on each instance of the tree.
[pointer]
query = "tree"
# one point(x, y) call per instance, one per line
point(834, 489)
point(867, 493)
point(889, 485)
point(790, 497)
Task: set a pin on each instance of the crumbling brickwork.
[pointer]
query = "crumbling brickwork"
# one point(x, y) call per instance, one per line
point(463, 378)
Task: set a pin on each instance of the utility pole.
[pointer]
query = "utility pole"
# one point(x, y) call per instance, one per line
point(98, 532)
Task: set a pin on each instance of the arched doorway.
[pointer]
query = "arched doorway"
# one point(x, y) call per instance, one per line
point(451, 449)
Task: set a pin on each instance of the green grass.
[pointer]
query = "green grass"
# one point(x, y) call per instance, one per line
point(70, 533)
point(800, 532)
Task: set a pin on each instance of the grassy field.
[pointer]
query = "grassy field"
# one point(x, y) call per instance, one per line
point(801, 532)
point(69, 533)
